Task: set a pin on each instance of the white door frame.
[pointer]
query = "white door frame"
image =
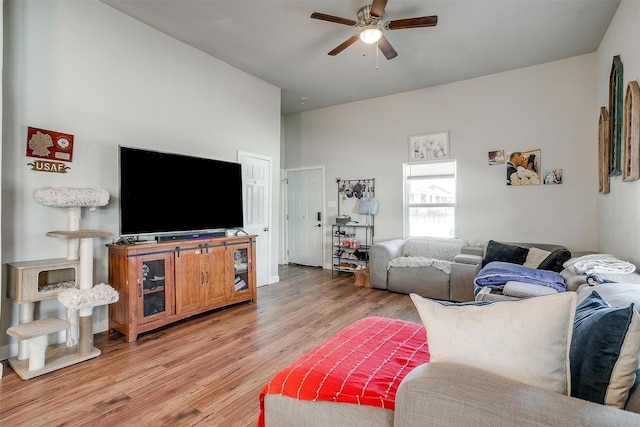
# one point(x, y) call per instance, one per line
point(286, 209)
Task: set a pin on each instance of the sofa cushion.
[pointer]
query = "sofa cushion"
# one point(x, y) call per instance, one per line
point(535, 256)
point(504, 252)
point(555, 260)
point(433, 247)
point(526, 290)
point(526, 340)
point(604, 351)
point(615, 294)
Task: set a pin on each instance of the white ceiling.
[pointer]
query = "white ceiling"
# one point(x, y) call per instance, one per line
point(277, 41)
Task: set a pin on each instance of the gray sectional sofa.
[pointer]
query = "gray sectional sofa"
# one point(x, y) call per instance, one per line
point(450, 394)
point(395, 266)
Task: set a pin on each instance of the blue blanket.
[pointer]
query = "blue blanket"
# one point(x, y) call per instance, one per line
point(497, 273)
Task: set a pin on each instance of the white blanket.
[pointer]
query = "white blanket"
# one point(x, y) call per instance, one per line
point(599, 264)
point(420, 261)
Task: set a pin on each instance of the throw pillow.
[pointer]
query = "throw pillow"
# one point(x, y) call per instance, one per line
point(555, 260)
point(526, 340)
point(497, 251)
point(604, 351)
point(535, 256)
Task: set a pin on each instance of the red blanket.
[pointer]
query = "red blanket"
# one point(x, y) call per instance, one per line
point(363, 364)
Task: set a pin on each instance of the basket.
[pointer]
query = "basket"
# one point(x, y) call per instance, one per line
point(362, 277)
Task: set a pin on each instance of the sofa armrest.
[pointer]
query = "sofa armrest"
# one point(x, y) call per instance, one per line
point(447, 394)
point(473, 250)
point(379, 256)
point(463, 270)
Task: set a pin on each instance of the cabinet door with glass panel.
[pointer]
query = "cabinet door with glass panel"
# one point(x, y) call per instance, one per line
point(152, 274)
point(242, 285)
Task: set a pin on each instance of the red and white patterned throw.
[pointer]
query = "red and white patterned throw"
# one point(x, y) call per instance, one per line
point(362, 364)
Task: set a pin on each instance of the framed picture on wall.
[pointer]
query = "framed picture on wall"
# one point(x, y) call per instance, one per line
point(496, 157)
point(604, 151)
point(631, 133)
point(429, 146)
point(615, 116)
point(552, 176)
point(523, 167)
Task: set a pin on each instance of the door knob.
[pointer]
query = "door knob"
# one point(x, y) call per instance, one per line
point(265, 229)
point(319, 225)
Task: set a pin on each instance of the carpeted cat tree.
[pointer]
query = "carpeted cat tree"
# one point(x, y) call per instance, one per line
point(79, 300)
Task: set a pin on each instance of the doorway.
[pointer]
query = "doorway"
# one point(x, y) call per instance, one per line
point(305, 216)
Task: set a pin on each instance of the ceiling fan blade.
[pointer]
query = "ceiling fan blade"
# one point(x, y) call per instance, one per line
point(385, 47)
point(401, 24)
point(331, 18)
point(345, 44)
point(377, 8)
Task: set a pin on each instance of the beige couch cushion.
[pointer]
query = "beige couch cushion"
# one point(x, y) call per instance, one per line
point(526, 340)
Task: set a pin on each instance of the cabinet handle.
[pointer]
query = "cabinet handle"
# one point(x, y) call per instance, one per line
point(207, 276)
point(202, 278)
point(139, 288)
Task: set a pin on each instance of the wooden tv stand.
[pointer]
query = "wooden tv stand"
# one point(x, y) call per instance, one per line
point(160, 283)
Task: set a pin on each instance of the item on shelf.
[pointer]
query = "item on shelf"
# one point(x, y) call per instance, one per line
point(343, 219)
point(361, 255)
point(240, 284)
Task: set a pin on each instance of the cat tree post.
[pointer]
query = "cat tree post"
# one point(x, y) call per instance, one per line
point(74, 214)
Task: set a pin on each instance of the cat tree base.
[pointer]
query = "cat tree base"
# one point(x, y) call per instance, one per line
point(56, 356)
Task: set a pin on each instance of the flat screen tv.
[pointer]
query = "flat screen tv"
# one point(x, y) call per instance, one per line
point(172, 194)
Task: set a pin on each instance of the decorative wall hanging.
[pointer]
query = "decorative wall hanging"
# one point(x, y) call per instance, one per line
point(496, 157)
point(631, 133)
point(523, 167)
point(50, 148)
point(429, 146)
point(552, 176)
point(604, 151)
point(615, 116)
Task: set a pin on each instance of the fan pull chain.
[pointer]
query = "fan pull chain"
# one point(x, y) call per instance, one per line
point(377, 54)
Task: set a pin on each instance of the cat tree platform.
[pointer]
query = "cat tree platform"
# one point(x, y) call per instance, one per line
point(43, 359)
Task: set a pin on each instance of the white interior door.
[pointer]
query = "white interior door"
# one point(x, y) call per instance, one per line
point(305, 217)
point(256, 183)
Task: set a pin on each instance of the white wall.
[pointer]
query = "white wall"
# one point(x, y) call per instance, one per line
point(549, 106)
point(81, 67)
point(619, 211)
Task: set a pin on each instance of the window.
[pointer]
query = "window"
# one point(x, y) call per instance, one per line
point(430, 199)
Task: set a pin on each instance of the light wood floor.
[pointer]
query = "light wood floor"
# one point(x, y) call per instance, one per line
point(207, 370)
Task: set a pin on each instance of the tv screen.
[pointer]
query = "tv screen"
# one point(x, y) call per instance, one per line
point(165, 193)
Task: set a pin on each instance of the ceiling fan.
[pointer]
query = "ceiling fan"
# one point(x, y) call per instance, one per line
point(371, 27)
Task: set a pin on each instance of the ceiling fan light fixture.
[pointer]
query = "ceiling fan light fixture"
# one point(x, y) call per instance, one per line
point(370, 34)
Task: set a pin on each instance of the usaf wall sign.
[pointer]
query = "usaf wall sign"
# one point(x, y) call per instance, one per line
point(50, 148)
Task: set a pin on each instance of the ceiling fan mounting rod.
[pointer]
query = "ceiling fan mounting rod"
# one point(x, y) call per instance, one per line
point(366, 18)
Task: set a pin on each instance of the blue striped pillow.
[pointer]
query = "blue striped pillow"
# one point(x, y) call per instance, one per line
point(604, 351)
